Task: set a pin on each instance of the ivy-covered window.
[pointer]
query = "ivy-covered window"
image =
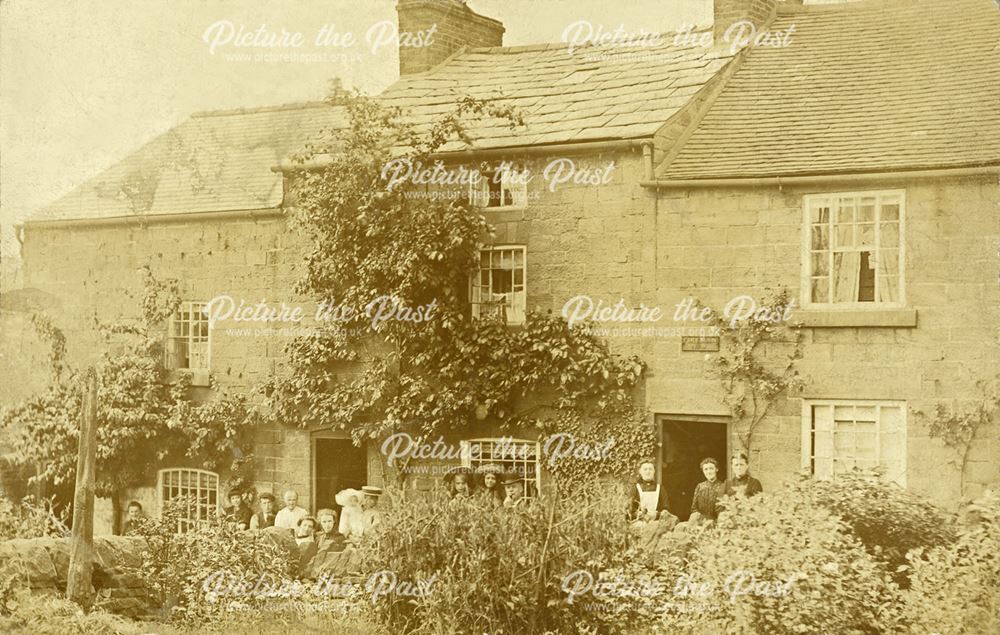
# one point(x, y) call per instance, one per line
point(187, 338)
point(513, 456)
point(499, 287)
point(853, 249)
point(839, 436)
point(197, 490)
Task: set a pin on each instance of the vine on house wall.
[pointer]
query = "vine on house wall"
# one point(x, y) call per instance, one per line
point(958, 427)
point(439, 370)
point(146, 415)
point(757, 362)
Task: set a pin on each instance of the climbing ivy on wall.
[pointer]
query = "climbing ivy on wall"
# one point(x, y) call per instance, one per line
point(958, 426)
point(757, 362)
point(428, 376)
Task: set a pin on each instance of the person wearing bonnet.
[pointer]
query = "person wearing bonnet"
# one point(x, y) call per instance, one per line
point(352, 516)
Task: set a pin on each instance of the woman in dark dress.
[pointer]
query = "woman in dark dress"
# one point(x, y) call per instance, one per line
point(741, 483)
point(704, 505)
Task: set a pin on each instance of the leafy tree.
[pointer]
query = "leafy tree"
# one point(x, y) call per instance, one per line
point(146, 416)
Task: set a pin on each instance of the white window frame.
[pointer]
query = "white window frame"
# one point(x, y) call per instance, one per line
point(881, 423)
point(479, 188)
point(468, 461)
point(515, 315)
point(807, 229)
point(199, 511)
point(192, 308)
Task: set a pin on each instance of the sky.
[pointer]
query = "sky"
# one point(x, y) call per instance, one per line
point(83, 83)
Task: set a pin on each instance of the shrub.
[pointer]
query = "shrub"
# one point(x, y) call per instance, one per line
point(31, 519)
point(955, 589)
point(178, 567)
point(496, 571)
point(778, 563)
point(887, 519)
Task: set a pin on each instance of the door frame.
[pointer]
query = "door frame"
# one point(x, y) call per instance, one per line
point(661, 418)
point(326, 434)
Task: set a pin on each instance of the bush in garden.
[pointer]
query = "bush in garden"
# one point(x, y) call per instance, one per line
point(184, 570)
point(778, 563)
point(31, 519)
point(887, 519)
point(955, 589)
point(496, 571)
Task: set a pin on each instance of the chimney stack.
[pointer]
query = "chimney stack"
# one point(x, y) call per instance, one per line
point(454, 26)
point(759, 12)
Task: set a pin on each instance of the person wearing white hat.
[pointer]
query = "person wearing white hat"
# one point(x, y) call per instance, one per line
point(352, 524)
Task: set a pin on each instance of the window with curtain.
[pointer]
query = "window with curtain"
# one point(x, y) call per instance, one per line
point(854, 250)
point(499, 287)
point(839, 436)
point(187, 338)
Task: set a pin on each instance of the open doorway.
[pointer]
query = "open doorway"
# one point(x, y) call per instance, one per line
point(337, 465)
point(685, 443)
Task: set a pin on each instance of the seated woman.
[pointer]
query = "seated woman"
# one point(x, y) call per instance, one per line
point(648, 499)
point(741, 483)
point(329, 539)
point(305, 539)
point(704, 504)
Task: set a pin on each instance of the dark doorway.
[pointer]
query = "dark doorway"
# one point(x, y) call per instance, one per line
point(685, 444)
point(337, 465)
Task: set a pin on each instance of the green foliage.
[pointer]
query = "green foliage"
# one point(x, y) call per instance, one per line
point(628, 427)
point(48, 615)
point(178, 567)
point(887, 519)
point(959, 427)
point(31, 519)
point(955, 588)
point(497, 571)
point(146, 415)
point(780, 564)
point(371, 241)
point(757, 362)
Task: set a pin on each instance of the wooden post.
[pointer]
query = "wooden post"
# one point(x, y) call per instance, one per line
point(81, 557)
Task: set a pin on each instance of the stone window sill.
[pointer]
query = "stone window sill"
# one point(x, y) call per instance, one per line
point(199, 378)
point(857, 318)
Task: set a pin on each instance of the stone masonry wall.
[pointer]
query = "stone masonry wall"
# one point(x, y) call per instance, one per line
point(608, 242)
point(715, 245)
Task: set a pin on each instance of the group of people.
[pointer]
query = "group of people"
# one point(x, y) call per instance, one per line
point(490, 484)
point(649, 498)
point(359, 514)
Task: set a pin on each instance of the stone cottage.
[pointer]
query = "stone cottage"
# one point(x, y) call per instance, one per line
point(826, 162)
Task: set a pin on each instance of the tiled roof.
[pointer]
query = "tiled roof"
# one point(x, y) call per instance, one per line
point(865, 87)
point(597, 93)
point(214, 161)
